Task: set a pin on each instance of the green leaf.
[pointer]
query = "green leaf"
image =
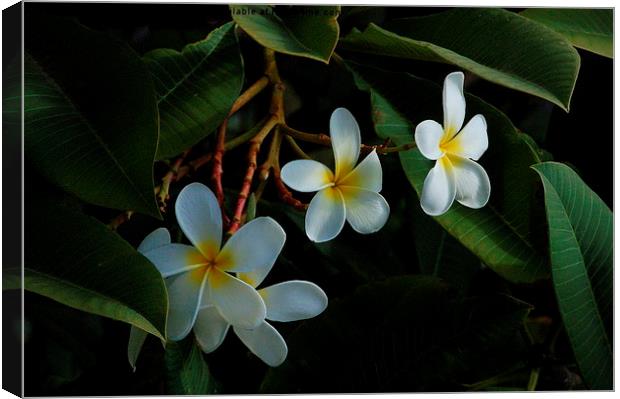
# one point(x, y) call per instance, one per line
point(403, 334)
point(497, 45)
point(134, 346)
point(195, 88)
point(581, 246)
point(188, 373)
point(310, 32)
point(76, 260)
point(90, 115)
point(589, 29)
point(500, 233)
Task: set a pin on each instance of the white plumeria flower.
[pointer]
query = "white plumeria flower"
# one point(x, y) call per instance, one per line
point(351, 193)
point(197, 275)
point(287, 301)
point(455, 175)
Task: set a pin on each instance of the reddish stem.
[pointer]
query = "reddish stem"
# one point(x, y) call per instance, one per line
point(218, 156)
point(284, 193)
point(255, 144)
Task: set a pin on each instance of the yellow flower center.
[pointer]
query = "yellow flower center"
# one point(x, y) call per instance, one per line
point(449, 142)
point(212, 258)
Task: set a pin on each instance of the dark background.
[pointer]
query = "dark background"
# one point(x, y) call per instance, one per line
point(73, 353)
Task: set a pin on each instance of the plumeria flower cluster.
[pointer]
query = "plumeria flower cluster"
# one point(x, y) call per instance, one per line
point(455, 175)
point(211, 287)
point(350, 193)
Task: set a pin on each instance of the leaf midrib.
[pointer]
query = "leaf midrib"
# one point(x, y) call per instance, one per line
point(91, 129)
point(581, 260)
point(438, 51)
point(193, 69)
point(292, 36)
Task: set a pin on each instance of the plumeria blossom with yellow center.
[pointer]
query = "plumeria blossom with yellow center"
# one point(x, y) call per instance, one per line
point(200, 274)
point(455, 174)
point(287, 301)
point(350, 193)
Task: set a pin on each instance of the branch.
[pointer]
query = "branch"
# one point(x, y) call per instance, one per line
point(220, 146)
point(249, 94)
point(255, 144)
point(284, 193)
point(323, 139)
point(163, 194)
point(272, 158)
point(218, 170)
point(296, 148)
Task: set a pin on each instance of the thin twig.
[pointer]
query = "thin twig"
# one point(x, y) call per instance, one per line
point(323, 139)
point(533, 380)
point(296, 148)
point(218, 170)
point(163, 194)
point(283, 192)
point(255, 144)
point(246, 136)
point(220, 146)
point(265, 169)
point(249, 94)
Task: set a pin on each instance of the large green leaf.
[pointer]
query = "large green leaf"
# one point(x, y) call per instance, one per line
point(90, 115)
point(497, 45)
point(76, 260)
point(188, 373)
point(403, 334)
point(589, 29)
point(581, 246)
point(195, 88)
point(310, 32)
point(499, 234)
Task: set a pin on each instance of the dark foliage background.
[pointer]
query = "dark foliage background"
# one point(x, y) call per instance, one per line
point(69, 352)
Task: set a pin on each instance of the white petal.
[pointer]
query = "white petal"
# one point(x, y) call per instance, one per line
point(366, 210)
point(200, 218)
point(472, 141)
point(137, 337)
point(184, 292)
point(210, 329)
point(346, 140)
point(265, 342)
point(439, 188)
point(237, 302)
point(306, 175)
point(428, 136)
point(254, 248)
point(156, 238)
point(326, 215)
point(293, 300)
point(453, 103)
point(473, 187)
point(173, 259)
point(366, 175)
